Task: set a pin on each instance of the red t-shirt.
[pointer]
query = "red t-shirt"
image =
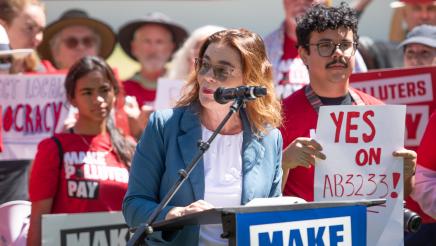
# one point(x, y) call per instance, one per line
point(426, 158)
point(91, 178)
point(143, 95)
point(299, 118)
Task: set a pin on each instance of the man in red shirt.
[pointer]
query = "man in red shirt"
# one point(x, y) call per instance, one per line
point(150, 40)
point(327, 42)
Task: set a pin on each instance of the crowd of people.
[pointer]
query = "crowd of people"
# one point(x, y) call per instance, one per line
point(265, 149)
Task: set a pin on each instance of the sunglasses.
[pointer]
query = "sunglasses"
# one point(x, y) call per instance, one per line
point(220, 72)
point(327, 48)
point(6, 60)
point(73, 42)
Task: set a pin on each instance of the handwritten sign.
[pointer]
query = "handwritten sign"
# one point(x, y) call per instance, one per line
point(168, 92)
point(358, 142)
point(415, 87)
point(33, 108)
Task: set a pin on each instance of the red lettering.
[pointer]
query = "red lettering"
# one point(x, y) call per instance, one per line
point(412, 125)
point(383, 181)
point(383, 93)
point(392, 87)
point(361, 153)
point(28, 119)
point(7, 119)
point(402, 90)
point(328, 184)
point(370, 179)
point(421, 88)
point(360, 186)
point(46, 127)
point(374, 156)
point(339, 188)
point(38, 119)
point(338, 124)
point(411, 89)
point(368, 138)
point(18, 128)
point(56, 114)
point(350, 176)
point(349, 127)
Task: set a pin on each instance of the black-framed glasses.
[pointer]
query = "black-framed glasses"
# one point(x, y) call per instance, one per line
point(73, 42)
point(220, 72)
point(327, 48)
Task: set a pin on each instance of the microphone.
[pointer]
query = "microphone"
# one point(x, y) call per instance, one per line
point(224, 95)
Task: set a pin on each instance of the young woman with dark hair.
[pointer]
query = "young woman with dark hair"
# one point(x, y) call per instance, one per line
point(85, 169)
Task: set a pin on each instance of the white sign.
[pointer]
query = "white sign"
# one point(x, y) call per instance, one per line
point(33, 108)
point(168, 92)
point(358, 142)
point(103, 228)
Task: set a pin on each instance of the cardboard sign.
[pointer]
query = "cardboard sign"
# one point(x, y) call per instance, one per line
point(33, 108)
point(415, 87)
point(103, 228)
point(168, 92)
point(358, 142)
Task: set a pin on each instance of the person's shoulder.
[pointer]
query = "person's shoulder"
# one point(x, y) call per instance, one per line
point(165, 115)
point(296, 99)
point(367, 99)
point(273, 134)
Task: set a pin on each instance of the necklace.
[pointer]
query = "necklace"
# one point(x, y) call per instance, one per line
point(89, 145)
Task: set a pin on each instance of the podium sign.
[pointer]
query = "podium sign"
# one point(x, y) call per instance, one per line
point(322, 226)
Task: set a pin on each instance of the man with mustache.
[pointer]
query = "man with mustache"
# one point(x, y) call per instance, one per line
point(150, 40)
point(327, 42)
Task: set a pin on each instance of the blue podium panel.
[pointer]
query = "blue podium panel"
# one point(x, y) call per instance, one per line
point(322, 226)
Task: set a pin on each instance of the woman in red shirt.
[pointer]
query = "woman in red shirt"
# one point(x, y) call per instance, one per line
point(85, 169)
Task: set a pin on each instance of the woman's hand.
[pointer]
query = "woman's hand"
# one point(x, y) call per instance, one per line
point(194, 207)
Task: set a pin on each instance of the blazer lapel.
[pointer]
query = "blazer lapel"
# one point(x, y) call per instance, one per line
point(190, 125)
point(252, 154)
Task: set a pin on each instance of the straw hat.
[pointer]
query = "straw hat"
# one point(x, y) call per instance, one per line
point(125, 35)
point(76, 17)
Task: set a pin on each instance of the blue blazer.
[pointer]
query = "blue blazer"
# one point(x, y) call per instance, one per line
point(168, 144)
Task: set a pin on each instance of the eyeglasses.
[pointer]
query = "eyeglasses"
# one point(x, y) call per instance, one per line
point(220, 72)
point(73, 42)
point(6, 60)
point(426, 56)
point(327, 48)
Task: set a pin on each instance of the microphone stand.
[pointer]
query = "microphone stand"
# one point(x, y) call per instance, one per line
point(146, 229)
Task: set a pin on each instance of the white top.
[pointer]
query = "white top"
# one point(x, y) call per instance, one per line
point(223, 180)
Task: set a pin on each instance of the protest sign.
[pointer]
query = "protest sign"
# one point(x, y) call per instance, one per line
point(358, 142)
point(101, 228)
point(414, 87)
point(168, 92)
point(33, 108)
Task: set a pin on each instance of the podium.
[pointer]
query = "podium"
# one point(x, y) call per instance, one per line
point(314, 223)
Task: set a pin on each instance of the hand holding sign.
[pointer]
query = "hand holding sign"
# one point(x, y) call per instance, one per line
point(361, 163)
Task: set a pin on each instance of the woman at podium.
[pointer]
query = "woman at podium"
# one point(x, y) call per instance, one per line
point(242, 163)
